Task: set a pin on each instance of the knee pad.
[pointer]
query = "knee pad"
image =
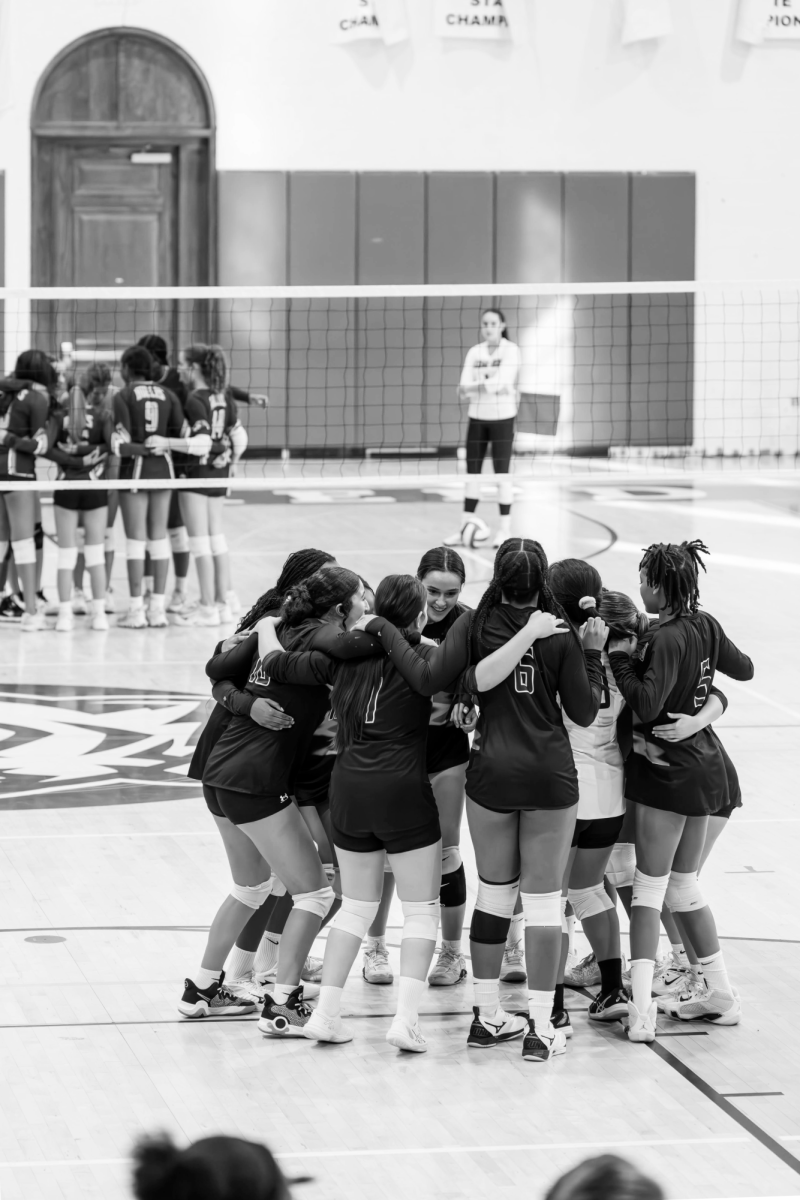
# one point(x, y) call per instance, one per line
point(109, 541)
point(420, 919)
point(278, 888)
point(219, 543)
point(622, 865)
point(649, 890)
point(317, 902)
point(158, 549)
point(541, 909)
point(330, 871)
point(200, 546)
point(451, 859)
point(134, 550)
point(67, 558)
point(590, 902)
point(95, 555)
point(253, 896)
point(179, 540)
point(24, 551)
point(355, 916)
point(494, 908)
point(453, 891)
point(564, 925)
point(38, 535)
point(505, 489)
point(683, 892)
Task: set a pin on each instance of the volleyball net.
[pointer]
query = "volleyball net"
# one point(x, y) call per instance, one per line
point(364, 381)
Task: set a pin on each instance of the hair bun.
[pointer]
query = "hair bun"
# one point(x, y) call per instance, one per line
point(587, 602)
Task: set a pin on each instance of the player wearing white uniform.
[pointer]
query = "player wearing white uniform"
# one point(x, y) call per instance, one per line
point(489, 382)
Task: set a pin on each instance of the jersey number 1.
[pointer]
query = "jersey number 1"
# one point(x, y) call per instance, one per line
point(372, 705)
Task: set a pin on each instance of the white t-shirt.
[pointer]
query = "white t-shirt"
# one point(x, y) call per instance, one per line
point(497, 371)
point(598, 758)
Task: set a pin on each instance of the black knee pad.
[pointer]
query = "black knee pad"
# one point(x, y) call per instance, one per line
point(488, 929)
point(38, 535)
point(454, 888)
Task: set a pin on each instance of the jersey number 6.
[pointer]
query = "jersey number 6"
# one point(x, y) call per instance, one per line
point(523, 674)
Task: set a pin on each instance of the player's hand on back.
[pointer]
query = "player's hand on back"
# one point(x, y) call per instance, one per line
point(594, 633)
point(682, 727)
point(235, 638)
point(544, 625)
point(270, 715)
point(157, 444)
point(465, 717)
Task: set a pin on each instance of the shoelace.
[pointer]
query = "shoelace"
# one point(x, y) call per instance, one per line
point(379, 955)
point(515, 953)
point(448, 955)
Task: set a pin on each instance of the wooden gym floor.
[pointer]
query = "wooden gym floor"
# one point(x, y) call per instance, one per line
point(110, 871)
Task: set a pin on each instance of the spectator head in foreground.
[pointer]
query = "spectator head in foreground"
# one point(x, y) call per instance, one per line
point(606, 1177)
point(214, 1168)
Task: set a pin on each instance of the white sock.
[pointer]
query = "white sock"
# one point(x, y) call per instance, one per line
point(157, 600)
point(679, 955)
point(715, 974)
point(516, 930)
point(455, 947)
point(180, 586)
point(505, 526)
point(267, 953)
point(137, 603)
point(64, 607)
point(697, 972)
point(282, 991)
point(330, 1000)
point(376, 943)
point(204, 978)
point(642, 983)
point(147, 583)
point(540, 1006)
point(98, 606)
point(239, 963)
point(486, 996)
point(409, 994)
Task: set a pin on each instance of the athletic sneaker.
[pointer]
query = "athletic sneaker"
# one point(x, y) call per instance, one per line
point(41, 602)
point(225, 614)
point(213, 1001)
point(544, 1044)
point(641, 1027)
point(259, 986)
point(584, 973)
point(310, 974)
point(611, 1007)
point(287, 1019)
point(233, 602)
point(484, 1033)
point(702, 1003)
point(177, 602)
point(32, 622)
point(134, 618)
point(65, 622)
point(100, 620)
point(450, 968)
point(110, 603)
point(376, 967)
point(560, 1020)
point(406, 1037)
point(11, 608)
point(670, 975)
point(474, 532)
point(321, 1028)
point(204, 615)
point(156, 617)
point(513, 968)
point(79, 604)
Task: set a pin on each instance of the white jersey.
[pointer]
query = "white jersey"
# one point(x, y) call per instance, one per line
point(497, 371)
point(598, 758)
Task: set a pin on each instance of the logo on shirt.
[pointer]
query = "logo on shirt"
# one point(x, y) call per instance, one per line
point(284, 799)
point(259, 675)
point(523, 674)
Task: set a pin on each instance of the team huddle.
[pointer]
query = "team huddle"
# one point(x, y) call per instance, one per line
point(351, 729)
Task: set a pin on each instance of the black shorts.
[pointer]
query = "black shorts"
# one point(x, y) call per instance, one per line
point(447, 747)
point(482, 434)
point(313, 781)
point(81, 501)
point(155, 466)
point(204, 476)
point(397, 818)
point(241, 808)
point(726, 812)
point(567, 808)
point(597, 834)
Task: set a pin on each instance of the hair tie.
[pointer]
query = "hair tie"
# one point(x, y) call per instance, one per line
point(587, 602)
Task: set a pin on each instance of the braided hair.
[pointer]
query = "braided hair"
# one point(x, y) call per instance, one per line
point(674, 569)
point(299, 566)
point(520, 571)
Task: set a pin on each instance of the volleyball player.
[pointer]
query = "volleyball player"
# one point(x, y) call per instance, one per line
point(676, 785)
point(489, 383)
point(26, 403)
point(143, 409)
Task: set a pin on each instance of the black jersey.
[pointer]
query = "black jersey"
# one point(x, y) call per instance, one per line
point(212, 413)
point(23, 434)
point(674, 672)
point(86, 457)
point(140, 411)
point(231, 700)
point(447, 746)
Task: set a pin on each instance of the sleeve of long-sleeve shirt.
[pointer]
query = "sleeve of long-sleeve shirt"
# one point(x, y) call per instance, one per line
point(580, 682)
point(723, 699)
point(646, 696)
point(233, 663)
point(236, 701)
point(505, 378)
point(309, 668)
point(426, 669)
point(353, 644)
point(122, 444)
point(37, 441)
point(730, 659)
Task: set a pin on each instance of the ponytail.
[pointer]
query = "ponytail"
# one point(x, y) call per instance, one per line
point(577, 587)
point(321, 592)
point(298, 567)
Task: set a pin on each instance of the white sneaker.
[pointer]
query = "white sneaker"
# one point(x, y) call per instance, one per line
point(321, 1028)
point(513, 969)
point(65, 622)
point(32, 622)
point(701, 1003)
point(406, 1037)
point(233, 602)
point(204, 615)
point(79, 605)
point(641, 1026)
point(450, 968)
point(376, 968)
point(670, 975)
point(134, 618)
point(503, 1026)
point(100, 621)
point(177, 601)
point(584, 973)
point(542, 1045)
point(225, 614)
point(156, 617)
point(474, 532)
point(245, 989)
point(110, 603)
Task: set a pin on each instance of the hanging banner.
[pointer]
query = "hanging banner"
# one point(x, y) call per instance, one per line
point(773, 20)
point(784, 20)
point(487, 19)
point(645, 19)
point(365, 20)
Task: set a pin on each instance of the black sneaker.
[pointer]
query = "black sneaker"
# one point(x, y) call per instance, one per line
point(287, 1019)
point(611, 1007)
point(11, 608)
point(483, 1033)
point(541, 1046)
point(214, 1001)
point(560, 1020)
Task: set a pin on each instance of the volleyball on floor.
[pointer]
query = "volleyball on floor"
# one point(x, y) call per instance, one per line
point(475, 533)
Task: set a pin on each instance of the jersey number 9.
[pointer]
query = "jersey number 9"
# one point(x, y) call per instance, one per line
point(151, 416)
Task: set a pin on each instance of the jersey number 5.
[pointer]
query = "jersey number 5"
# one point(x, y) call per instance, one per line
point(151, 416)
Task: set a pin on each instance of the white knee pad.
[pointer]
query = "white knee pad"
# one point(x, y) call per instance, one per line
point(253, 896)
point(179, 540)
point(589, 902)
point(24, 551)
point(158, 549)
point(355, 916)
point(505, 489)
point(683, 892)
point(278, 888)
point(200, 546)
point(317, 902)
point(95, 555)
point(622, 865)
point(497, 899)
point(541, 909)
point(649, 890)
point(564, 925)
point(420, 919)
point(451, 859)
point(134, 550)
point(109, 541)
point(219, 543)
point(67, 558)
